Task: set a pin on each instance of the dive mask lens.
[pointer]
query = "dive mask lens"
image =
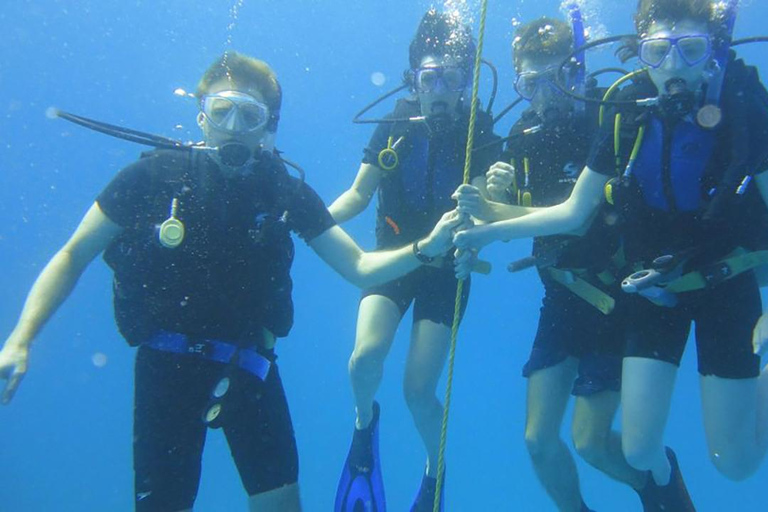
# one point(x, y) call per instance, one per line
point(235, 112)
point(426, 79)
point(694, 49)
point(454, 79)
point(652, 52)
point(526, 85)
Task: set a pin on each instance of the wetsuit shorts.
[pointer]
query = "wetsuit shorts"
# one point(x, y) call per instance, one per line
point(431, 290)
point(173, 391)
point(724, 317)
point(571, 327)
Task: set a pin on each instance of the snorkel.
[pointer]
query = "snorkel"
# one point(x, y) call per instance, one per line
point(710, 115)
point(579, 84)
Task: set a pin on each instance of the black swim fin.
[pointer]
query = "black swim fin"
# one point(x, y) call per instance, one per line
point(672, 497)
point(425, 499)
point(361, 487)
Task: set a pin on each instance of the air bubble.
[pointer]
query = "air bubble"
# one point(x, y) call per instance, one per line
point(378, 78)
point(99, 359)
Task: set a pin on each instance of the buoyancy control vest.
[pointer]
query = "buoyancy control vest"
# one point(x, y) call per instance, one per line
point(689, 186)
point(417, 192)
point(230, 276)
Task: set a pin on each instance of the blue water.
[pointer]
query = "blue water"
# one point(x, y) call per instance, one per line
point(65, 442)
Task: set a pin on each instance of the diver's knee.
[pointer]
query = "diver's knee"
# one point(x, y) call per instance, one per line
point(365, 363)
point(418, 396)
point(590, 446)
point(540, 446)
point(641, 456)
point(733, 467)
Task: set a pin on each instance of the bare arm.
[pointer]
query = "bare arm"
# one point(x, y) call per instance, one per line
point(760, 332)
point(52, 287)
point(367, 269)
point(353, 201)
point(572, 216)
point(475, 200)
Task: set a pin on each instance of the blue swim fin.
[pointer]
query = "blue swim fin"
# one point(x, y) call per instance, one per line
point(361, 487)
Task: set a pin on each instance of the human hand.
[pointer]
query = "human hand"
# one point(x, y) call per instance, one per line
point(471, 202)
point(440, 240)
point(475, 237)
point(498, 179)
point(464, 262)
point(14, 359)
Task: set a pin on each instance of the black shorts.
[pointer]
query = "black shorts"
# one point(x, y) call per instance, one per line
point(725, 318)
point(571, 327)
point(172, 395)
point(432, 291)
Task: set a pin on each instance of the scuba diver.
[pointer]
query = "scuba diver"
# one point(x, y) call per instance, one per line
point(683, 159)
point(415, 160)
point(199, 239)
point(579, 344)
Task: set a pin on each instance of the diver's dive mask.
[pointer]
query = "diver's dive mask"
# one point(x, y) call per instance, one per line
point(540, 90)
point(676, 66)
point(436, 78)
point(527, 84)
point(693, 49)
point(234, 112)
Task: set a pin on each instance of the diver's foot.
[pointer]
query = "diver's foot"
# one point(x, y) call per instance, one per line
point(361, 487)
point(425, 499)
point(361, 453)
point(672, 497)
point(585, 508)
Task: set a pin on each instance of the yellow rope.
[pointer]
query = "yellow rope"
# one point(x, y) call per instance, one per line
point(460, 285)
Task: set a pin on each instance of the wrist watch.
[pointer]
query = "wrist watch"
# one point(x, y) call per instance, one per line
point(426, 260)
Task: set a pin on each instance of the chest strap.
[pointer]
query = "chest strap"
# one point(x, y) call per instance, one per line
point(247, 359)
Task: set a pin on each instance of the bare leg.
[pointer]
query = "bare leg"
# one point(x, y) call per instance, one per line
point(548, 393)
point(284, 499)
point(377, 321)
point(734, 422)
point(646, 396)
point(597, 443)
point(426, 359)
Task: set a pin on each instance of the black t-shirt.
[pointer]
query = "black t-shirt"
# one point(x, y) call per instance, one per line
point(556, 157)
point(230, 277)
point(130, 197)
point(413, 196)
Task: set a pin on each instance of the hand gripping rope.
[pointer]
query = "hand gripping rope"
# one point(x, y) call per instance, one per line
point(460, 285)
